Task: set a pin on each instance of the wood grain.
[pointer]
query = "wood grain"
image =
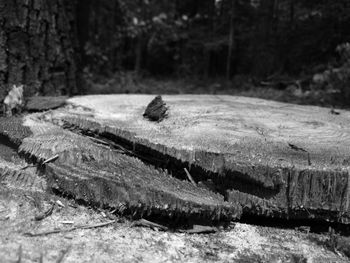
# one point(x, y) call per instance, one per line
point(98, 175)
point(295, 157)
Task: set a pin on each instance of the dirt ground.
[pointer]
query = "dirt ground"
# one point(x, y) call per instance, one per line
point(123, 242)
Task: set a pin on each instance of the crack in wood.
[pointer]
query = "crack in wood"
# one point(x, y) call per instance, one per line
point(101, 177)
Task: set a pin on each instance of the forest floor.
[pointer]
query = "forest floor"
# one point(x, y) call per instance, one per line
point(120, 241)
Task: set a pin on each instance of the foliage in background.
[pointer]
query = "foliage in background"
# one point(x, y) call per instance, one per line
point(336, 79)
point(211, 38)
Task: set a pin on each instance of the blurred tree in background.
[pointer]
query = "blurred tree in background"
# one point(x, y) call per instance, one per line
point(192, 37)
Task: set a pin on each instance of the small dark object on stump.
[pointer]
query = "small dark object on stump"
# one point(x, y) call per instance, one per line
point(334, 112)
point(156, 110)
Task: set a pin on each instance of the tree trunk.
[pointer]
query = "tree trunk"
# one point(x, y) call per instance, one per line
point(37, 41)
point(230, 42)
point(138, 54)
point(291, 15)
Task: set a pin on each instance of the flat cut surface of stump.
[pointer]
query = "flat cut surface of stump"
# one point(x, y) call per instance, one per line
point(295, 156)
point(244, 127)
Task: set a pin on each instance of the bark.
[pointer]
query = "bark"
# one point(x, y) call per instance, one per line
point(37, 46)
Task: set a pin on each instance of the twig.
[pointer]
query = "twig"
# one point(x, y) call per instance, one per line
point(96, 225)
point(48, 232)
point(190, 177)
point(45, 214)
point(98, 140)
point(146, 223)
point(55, 231)
point(27, 166)
point(51, 159)
point(67, 222)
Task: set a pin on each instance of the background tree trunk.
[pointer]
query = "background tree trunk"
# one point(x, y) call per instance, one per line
point(37, 42)
point(231, 42)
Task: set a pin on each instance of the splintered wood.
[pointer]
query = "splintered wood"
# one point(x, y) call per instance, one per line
point(78, 167)
point(260, 157)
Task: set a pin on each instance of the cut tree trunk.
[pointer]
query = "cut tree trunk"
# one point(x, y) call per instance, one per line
point(37, 46)
point(273, 159)
point(276, 159)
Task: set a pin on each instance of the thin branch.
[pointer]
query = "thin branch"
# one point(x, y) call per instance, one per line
point(51, 159)
point(55, 231)
point(190, 177)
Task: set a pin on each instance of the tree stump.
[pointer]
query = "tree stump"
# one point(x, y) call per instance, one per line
point(277, 159)
point(267, 158)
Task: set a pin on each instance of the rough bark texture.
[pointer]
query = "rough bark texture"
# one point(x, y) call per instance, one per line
point(37, 46)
